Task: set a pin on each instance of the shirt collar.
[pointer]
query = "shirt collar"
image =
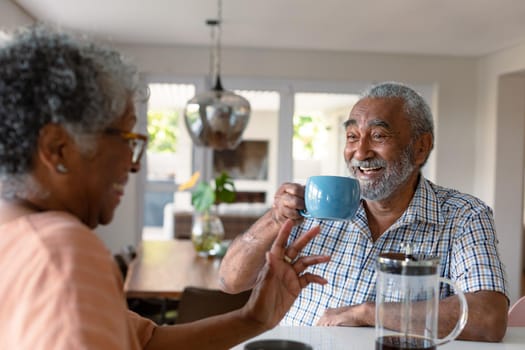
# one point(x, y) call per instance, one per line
point(424, 207)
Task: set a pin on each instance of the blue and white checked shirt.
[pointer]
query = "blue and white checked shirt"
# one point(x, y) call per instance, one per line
point(438, 222)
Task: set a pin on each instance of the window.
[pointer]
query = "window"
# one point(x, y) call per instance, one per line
point(318, 134)
point(169, 153)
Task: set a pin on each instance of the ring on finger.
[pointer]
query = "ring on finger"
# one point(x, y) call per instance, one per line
point(287, 259)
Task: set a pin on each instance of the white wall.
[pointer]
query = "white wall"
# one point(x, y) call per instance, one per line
point(500, 157)
point(12, 16)
point(126, 228)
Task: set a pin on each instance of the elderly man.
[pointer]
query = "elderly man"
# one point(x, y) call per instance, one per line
point(389, 136)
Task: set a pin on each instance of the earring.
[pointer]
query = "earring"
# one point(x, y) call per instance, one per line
point(61, 168)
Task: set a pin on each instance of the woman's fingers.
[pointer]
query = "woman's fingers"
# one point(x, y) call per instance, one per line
point(301, 264)
point(290, 254)
point(308, 278)
point(295, 248)
point(279, 245)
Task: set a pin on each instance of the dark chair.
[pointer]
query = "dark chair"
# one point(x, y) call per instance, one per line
point(197, 303)
point(122, 265)
point(160, 311)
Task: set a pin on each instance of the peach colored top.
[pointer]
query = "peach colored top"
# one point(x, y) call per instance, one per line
point(61, 289)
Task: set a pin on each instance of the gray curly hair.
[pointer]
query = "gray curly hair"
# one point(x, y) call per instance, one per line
point(47, 76)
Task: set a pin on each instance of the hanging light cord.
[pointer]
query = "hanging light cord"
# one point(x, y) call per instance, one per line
point(215, 54)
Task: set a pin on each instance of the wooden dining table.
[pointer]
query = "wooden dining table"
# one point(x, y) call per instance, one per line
point(162, 269)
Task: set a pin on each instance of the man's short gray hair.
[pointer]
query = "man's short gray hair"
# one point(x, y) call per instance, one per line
point(416, 109)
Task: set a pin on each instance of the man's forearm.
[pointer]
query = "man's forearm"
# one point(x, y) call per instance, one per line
point(245, 256)
point(487, 316)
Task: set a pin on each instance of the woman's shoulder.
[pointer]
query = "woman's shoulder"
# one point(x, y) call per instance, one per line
point(58, 226)
point(70, 244)
point(62, 236)
point(62, 272)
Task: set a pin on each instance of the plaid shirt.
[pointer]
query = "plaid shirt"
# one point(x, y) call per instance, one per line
point(438, 222)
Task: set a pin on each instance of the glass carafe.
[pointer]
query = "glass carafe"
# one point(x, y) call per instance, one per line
point(407, 300)
point(207, 233)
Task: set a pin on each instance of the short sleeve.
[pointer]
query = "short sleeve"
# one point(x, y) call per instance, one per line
point(141, 326)
point(476, 265)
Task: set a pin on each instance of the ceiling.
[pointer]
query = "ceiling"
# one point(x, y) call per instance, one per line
point(436, 27)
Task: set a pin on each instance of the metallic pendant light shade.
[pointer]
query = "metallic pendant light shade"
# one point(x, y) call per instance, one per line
point(217, 118)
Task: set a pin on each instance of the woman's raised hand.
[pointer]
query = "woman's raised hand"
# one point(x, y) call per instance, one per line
point(283, 277)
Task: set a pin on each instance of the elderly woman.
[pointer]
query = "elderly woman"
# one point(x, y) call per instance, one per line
point(66, 151)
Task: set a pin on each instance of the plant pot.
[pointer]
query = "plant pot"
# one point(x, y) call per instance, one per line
point(207, 233)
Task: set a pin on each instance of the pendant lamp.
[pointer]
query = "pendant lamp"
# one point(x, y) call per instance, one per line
point(217, 118)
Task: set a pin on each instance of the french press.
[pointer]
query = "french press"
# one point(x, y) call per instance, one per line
point(407, 301)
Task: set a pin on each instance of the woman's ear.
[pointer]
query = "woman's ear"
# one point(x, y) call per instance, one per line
point(53, 141)
point(423, 147)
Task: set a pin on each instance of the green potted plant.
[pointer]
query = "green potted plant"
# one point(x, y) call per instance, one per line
point(218, 190)
point(207, 230)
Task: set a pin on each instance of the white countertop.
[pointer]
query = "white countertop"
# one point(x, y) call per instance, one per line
point(362, 338)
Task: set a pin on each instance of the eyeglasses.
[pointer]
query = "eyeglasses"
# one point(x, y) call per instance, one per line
point(137, 142)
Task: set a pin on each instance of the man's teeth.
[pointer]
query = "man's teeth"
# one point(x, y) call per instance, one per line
point(369, 169)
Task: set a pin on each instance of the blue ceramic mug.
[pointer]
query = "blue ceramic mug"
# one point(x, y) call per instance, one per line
point(331, 197)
